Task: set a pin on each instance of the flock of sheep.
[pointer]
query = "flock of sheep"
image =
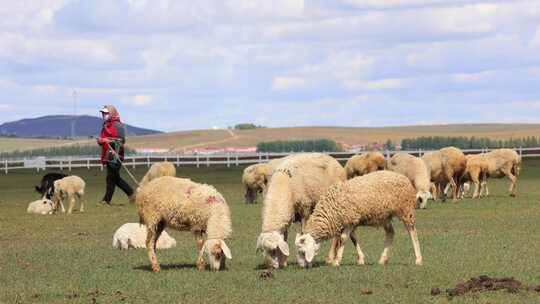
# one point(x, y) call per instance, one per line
point(329, 201)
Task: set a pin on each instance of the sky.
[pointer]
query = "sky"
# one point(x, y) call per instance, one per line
point(182, 65)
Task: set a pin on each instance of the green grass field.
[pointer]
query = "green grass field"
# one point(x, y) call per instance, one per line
point(69, 259)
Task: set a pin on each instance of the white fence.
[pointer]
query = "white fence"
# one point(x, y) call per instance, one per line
point(68, 162)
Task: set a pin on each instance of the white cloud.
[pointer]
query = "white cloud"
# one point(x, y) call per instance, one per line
point(471, 77)
point(281, 83)
point(142, 100)
point(376, 85)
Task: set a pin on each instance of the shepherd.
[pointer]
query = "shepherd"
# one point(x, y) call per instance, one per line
point(112, 140)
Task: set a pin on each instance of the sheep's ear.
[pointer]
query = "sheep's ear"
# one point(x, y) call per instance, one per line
point(283, 247)
point(309, 255)
point(226, 250)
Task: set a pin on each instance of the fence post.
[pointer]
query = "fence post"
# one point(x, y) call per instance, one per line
point(88, 163)
point(228, 160)
point(207, 160)
point(148, 161)
point(61, 165)
point(133, 162)
point(69, 163)
point(260, 157)
point(237, 159)
point(178, 160)
point(520, 151)
point(6, 164)
point(197, 160)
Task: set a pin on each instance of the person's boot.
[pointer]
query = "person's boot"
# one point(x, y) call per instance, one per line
point(105, 203)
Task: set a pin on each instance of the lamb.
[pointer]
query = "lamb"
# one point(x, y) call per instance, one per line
point(504, 162)
point(182, 204)
point(255, 178)
point(293, 192)
point(416, 171)
point(158, 170)
point(359, 165)
point(133, 235)
point(46, 187)
point(71, 189)
point(369, 200)
point(42, 206)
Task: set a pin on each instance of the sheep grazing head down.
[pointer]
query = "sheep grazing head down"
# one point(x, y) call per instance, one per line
point(217, 252)
point(275, 249)
point(422, 198)
point(307, 248)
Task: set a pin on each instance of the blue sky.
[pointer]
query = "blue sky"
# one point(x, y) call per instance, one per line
point(179, 65)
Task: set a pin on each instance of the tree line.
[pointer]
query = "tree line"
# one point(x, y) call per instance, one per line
point(462, 142)
point(318, 145)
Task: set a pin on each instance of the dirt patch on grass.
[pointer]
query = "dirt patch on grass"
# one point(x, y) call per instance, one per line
point(484, 283)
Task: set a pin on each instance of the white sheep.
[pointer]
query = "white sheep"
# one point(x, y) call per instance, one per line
point(133, 235)
point(182, 204)
point(359, 165)
point(42, 206)
point(293, 192)
point(158, 170)
point(256, 177)
point(370, 200)
point(71, 189)
point(416, 171)
point(501, 163)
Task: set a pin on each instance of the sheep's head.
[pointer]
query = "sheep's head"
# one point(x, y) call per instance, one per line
point(275, 249)
point(307, 248)
point(217, 252)
point(422, 198)
point(251, 195)
point(50, 204)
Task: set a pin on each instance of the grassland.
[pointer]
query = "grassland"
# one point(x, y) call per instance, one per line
point(248, 138)
point(8, 144)
point(68, 259)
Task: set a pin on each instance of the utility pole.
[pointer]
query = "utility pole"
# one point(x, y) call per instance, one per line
point(74, 118)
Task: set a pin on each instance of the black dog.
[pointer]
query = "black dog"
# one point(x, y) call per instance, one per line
point(47, 184)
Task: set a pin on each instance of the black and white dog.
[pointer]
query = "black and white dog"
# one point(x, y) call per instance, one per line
point(47, 184)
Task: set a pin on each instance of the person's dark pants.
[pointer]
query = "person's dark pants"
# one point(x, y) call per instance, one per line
point(113, 180)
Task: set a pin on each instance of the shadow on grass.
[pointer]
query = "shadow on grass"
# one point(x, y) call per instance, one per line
point(295, 265)
point(167, 267)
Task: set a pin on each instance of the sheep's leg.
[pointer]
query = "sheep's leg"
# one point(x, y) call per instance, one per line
point(81, 202)
point(332, 252)
point(361, 256)
point(200, 250)
point(388, 240)
point(62, 205)
point(475, 178)
point(71, 204)
point(512, 179)
point(153, 233)
point(412, 232)
point(339, 250)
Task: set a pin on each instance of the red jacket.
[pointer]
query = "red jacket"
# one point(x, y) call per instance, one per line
point(112, 129)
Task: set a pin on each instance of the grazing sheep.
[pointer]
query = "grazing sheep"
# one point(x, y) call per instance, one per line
point(133, 235)
point(42, 206)
point(359, 165)
point(369, 200)
point(158, 170)
point(476, 172)
point(417, 172)
point(182, 204)
point(294, 189)
point(255, 178)
point(501, 163)
point(71, 189)
point(46, 187)
point(454, 163)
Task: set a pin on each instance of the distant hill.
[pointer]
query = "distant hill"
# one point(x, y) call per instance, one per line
point(59, 126)
point(353, 135)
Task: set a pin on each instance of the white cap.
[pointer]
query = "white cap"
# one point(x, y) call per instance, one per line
point(104, 110)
